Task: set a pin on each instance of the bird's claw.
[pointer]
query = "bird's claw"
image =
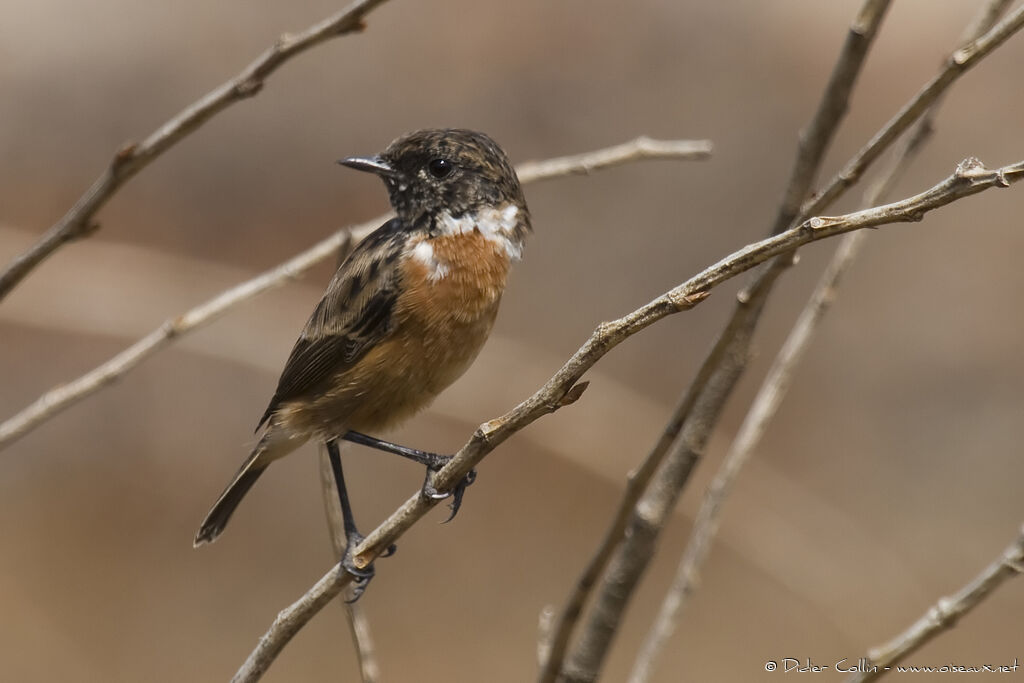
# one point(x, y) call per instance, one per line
point(430, 492)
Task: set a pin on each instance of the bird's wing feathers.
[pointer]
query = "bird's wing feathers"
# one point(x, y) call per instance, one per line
point(353, 315)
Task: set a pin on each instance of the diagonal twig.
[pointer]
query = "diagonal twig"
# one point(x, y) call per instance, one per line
point(814, 141)
point(133, 157)
point(961, 61)
point(775, 387)
point(66, 395)
point(723, 367)
point(970, 177)
point(944, 614)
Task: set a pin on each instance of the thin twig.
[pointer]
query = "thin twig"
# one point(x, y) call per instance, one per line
point(944, 614)
point(765, 404)
point(814, 141)
point(545, 620)
point(969, 178)
point(835, 102)
point(62, 397)
point(957, 65)
point(133, 157)
point(358, 624)
point(724, 364)
point(641, 148)
point(775, 387)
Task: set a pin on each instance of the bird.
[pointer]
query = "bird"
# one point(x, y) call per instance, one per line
point(404, 316)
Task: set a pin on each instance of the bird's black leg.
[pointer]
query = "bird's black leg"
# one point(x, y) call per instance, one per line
point(352, 536)
point(433, 461)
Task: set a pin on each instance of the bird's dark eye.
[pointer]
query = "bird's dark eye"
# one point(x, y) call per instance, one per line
point(440, 168)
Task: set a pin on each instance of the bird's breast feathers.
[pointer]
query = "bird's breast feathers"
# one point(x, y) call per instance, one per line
point(462, 268)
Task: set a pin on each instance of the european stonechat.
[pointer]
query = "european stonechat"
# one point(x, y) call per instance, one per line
point(404, 316)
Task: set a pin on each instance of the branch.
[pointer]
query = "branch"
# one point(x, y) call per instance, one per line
point(813, 144)
point(835, 102)
point(132, 157)
point(724, 365)
point(640, 148)
point(358, 624)
point(944, 614)
point(62, 397)
point(969, 178)
point(774, 389)
point(763, 409)
point(957, 65)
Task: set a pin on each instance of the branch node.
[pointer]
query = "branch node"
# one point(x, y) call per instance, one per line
point(174, 326)
point(124, 154)
point(970, 168)
point(604, 330)
point(80, 229)
point(684, 302)
point(483, 432)
point(361, 561)
point(945, 613)
point(820, 223)
point(1014, 564)
point(571, 396)
point(249, 87)
point(963, 55)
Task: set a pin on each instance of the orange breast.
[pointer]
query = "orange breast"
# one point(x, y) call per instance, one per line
point(441, 320)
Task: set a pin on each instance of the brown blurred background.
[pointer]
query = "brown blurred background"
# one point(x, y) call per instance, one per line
point(891, 476)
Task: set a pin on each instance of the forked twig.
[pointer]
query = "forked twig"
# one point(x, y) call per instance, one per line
point(944, 614)
point(774, 389)
point(722, 361)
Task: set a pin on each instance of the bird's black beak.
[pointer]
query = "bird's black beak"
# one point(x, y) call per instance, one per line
point(370, 165)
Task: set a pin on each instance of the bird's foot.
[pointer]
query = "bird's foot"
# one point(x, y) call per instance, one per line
point(429, 491)
point(361, 576)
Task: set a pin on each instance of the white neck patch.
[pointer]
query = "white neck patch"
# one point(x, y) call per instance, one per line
point(497, 225)
point(424, 253)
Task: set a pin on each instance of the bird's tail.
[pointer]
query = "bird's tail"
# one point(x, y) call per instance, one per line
point(275, 443)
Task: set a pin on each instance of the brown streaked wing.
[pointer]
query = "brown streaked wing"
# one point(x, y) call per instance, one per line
point(353, 315)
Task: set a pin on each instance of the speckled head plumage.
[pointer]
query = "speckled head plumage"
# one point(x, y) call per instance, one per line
point(445, 171)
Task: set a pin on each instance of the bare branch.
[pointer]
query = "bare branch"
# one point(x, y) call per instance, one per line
point(835, 102)
point(944, 614)
point(545, 620)
point(763, 409)
point(132, 157)
point(641, 148)
point(813, 144)
point(358, 624)
point(969, 178)
point(359, 627)
point(62, 397)
point(724, 365)
point(774, 389)
point(958, 64)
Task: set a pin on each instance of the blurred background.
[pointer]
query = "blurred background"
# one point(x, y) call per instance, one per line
point(891, 475)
